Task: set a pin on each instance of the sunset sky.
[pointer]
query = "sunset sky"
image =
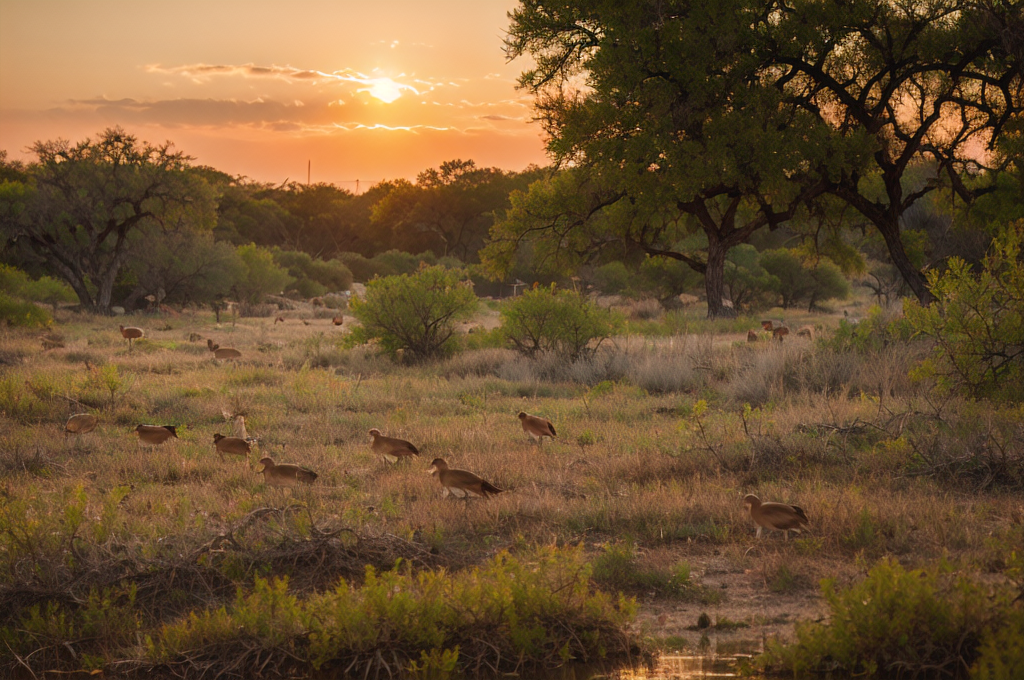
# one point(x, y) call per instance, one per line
point(365, 90)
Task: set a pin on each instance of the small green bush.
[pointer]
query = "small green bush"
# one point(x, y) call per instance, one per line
point(17, 283)
point(895, 623)
point(260, 276)
point(977, 322)
point(416, 312)
point(560, 321)
point(1002, 652)
point(798, 280)
point(18, 313)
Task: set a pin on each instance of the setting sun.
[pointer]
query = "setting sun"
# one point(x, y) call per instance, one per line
point(368, 91)
point(385, 90)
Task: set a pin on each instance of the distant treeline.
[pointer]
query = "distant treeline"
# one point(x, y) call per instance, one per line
point(125, 223)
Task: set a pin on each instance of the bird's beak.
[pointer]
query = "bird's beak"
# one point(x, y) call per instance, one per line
point(431, 470)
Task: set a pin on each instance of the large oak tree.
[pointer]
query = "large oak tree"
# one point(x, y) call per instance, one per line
point(658, 105)
point(911, 82)
point(82, 205)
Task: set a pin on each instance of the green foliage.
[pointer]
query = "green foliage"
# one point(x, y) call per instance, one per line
point(261, 275)
point(977, 322)
point(1002, 652)
point(560, 321)
point(416, 312)
point(613, 278)
point(313, 277)
point(432, 620)
point(895, 623)
point(17, 283)
point(879, 329)
point(620, 568)
point(797, 280)
point(750, 285)
point(665, 277)
point(185, 266)
point(83, 206)
point(18, 313)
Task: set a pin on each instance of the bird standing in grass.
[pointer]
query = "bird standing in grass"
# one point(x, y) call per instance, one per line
point(130, 333)
point(461, 483)
point(236, 446)
point(391, 449)
point(155, 435)
point(536, 427)
point(777, 516)
point(285, 474)
point(79, 424)
point(222, 352)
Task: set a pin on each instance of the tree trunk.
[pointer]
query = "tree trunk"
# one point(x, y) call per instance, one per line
point(714, 279)
point(911, 274)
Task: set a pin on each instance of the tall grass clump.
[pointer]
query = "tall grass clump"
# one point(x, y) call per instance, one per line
point(506, 615)
point(896, 623)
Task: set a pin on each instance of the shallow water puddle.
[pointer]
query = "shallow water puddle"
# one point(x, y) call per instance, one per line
point(683, 667)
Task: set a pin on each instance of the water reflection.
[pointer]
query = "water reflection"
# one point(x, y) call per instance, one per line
point(684, 667)
point(722, 661)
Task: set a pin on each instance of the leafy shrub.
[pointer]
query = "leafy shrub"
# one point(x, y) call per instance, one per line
point(313, 277)
point(798, 280)
point(503, 614)
point(612, 278)
point(261, 275)
point(750, 285)
point(416, 312)
point(560, 321)
point(977, 322)
point(18, 313)
point(895, 623)
point(1002, 652)
point(17, 283)
point(879, 329)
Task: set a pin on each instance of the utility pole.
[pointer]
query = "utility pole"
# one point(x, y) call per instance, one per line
point(357, 187)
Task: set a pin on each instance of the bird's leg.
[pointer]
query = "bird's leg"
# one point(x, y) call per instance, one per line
point(758, 532)
point(785, 533)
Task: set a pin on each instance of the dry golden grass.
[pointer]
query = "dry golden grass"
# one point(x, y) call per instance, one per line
point(627, 462)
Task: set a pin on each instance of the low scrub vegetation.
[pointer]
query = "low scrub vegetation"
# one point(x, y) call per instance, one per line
point(508, 615)
point(898, 623)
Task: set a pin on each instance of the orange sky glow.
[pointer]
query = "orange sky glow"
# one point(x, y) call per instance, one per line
point(363, 90)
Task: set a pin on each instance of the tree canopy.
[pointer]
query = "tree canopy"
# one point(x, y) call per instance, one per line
point(81, 206)
point(732, 114)
point(659, 107)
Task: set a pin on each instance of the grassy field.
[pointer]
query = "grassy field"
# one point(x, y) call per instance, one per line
point(660, 437)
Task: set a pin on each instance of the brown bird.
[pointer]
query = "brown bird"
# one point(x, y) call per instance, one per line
point(779, 333)
point(338, 320)
point(391, 448)
point(156, 434)
point(806, 332)
point(778, 516)
point(131, 333)
point(222, 352)
point(80, 423)
point(460, 483)
point(768, 325)
point(285, 474)
point(537, 427)
point(751, 336)
point(278, 320)
point(233, 445)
